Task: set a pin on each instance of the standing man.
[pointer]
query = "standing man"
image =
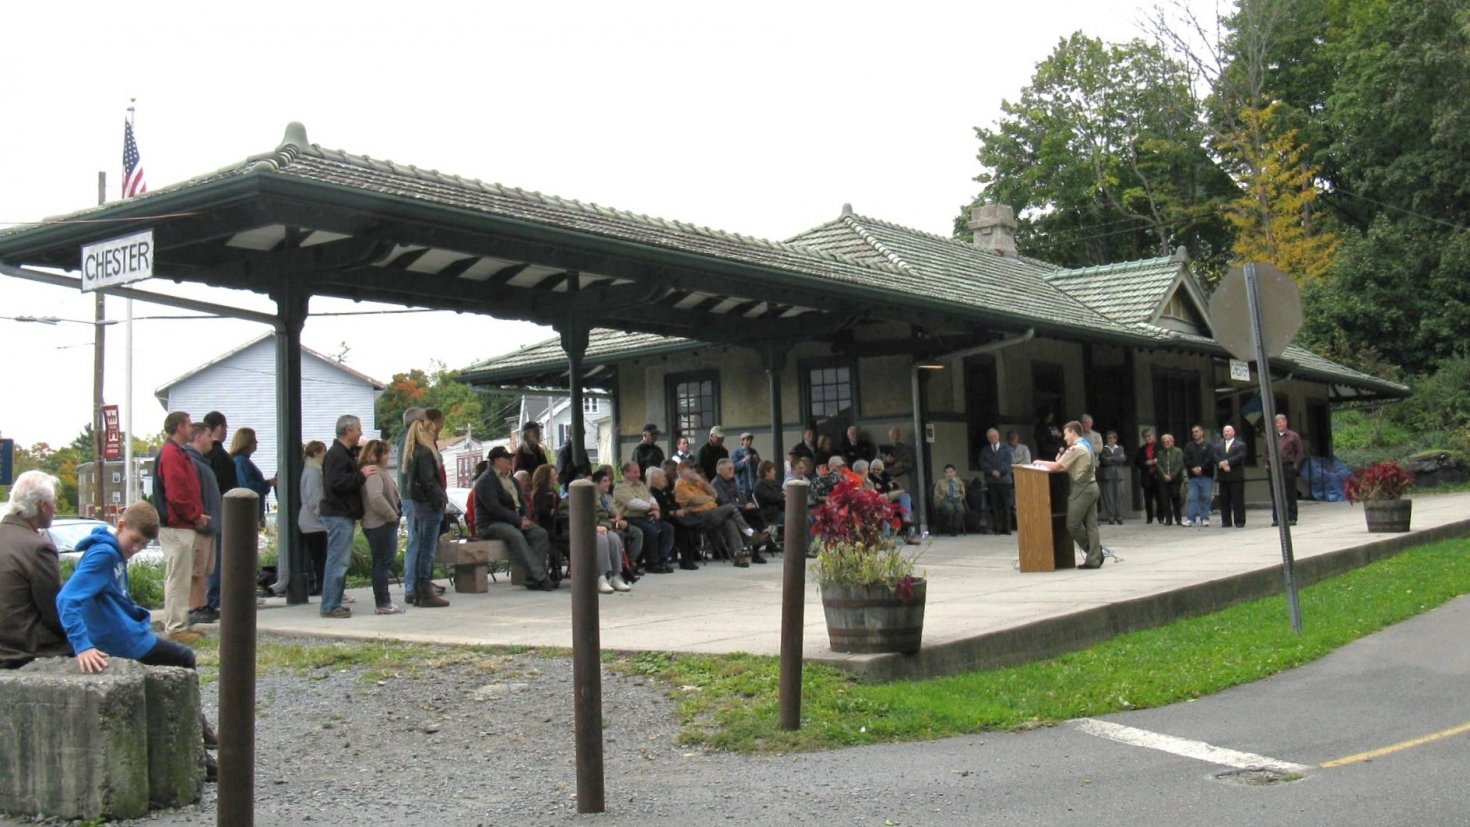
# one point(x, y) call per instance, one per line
point(206, 544)
point(1232, 479)
point(808, 446)
point(995, 463)
point(712, 452)
point(1093, 438)
point(223, 466)
point(176, 488)
point(531, 454)
point(1114, 468)
point(1020, 455)
point(501, 514)
point(1081, 467)
point(647, 453)
point(1171, 475)
point(747, 466)
point(1146, 460)
point(1289, 445)
point(30, 575)
point(1199, 465)
point(898, 458)
point(682, 452)
point(341, 508)
point(854, 447)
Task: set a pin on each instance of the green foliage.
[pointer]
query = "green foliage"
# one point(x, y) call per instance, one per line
point(1102, 157)
point(483, 413)
point(144, 579)
point(146, 583)
point(731, 701)
point(1399, 292)
point(62, 464)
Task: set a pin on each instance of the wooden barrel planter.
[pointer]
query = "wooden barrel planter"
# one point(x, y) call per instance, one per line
point(1386, 516)
point(871, 619)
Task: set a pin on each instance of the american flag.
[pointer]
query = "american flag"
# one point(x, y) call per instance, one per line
point(133, 183)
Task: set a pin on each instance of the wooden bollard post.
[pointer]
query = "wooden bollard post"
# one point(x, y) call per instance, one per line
point(793, 603)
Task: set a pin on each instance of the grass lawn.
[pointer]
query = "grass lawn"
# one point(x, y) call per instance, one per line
point(730, 701)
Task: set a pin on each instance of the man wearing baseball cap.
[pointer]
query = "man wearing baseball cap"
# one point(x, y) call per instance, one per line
point(712, 452)
point(501, 513)
point(647, 453)
point(747, 465)
point(531, 454)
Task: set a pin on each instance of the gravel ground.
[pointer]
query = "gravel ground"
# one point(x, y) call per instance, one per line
point(491, 743)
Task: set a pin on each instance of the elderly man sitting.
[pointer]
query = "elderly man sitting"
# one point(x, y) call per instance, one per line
point(501, 514)
point(727, 492)
point(700, 504)
point(633, 499)
point(30, 575)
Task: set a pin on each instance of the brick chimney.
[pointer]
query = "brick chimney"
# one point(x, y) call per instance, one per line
point(994, 226)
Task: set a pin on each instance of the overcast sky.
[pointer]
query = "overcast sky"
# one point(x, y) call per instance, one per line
point(756, 117)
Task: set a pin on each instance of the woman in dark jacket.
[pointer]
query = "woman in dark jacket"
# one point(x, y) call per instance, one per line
point(246, 472)
point(426, 493)
point(769, 496)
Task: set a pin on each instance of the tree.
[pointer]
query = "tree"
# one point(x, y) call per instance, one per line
point(1273, 216)
point(1103, 156)
point(1399, 292)
point(466, 410)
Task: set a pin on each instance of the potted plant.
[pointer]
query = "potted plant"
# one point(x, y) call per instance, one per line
point(872, 600)
point(1381, 487)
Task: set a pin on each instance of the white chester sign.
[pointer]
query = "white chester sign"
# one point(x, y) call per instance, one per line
point(117, 261)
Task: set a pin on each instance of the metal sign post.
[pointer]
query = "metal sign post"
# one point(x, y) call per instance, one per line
point(1273, 448)
point(1254, 314)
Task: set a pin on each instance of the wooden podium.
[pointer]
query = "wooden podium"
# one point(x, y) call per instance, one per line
point(1041, 519)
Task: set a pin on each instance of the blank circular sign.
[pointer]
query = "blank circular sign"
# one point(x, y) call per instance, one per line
point(1280, 301)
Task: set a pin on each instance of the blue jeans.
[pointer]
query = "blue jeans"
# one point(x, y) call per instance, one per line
point(383, 541)
point(1201, 491)
point(410, 551)
point(339, 552)
point(420, 556)
point(211, 597)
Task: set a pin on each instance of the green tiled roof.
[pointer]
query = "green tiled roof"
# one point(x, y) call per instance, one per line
point(1127, 292)
point(1012, 288)
point(603, 347)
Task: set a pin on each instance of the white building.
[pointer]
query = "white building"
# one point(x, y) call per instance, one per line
point(241, 384)
point(554, 412)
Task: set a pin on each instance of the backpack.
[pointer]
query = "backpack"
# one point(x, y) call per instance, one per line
point(160, 497)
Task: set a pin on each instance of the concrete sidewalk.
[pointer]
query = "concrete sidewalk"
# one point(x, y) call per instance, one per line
point(981, 611)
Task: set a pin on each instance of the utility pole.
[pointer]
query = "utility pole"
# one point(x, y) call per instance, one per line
point(98, 363)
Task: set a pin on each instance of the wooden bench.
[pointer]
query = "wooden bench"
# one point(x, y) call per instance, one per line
point(471, 561)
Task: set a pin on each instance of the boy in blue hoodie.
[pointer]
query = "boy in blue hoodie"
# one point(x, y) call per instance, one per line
point(98, 612)
point(96, 608)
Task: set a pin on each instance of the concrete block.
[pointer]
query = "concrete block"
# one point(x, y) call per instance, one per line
point(73, 745)
point(175, 740)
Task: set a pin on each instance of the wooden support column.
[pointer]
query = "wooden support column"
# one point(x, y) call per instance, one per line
point(291, 311)
point(773, 358)
point(573, 331)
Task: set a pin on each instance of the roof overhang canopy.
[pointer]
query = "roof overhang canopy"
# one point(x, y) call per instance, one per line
point(324, 223)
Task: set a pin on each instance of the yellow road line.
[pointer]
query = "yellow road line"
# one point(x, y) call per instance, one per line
point(1392, 748)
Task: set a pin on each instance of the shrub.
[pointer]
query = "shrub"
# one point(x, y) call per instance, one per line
point(854, 539)
point(1380, 481)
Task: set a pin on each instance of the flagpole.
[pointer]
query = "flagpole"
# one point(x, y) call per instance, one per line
point(99, 366)
point(129, 476)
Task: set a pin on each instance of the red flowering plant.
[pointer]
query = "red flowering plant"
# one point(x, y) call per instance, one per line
point(856, 542)
point(1380, 481)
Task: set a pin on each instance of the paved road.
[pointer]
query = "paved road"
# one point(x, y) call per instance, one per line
point(1401, 684)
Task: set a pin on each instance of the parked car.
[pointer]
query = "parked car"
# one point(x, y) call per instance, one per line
point(66, 532)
